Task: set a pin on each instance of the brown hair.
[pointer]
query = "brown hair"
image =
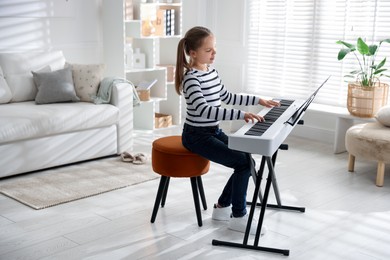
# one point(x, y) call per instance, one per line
point(192, 40)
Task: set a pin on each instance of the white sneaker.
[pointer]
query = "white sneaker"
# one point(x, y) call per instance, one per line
point(239, 224)
point(221, 214)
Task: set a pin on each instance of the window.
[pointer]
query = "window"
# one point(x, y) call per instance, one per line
point(292, 45)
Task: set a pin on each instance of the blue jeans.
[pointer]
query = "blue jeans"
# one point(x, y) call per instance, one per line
point(212, 143)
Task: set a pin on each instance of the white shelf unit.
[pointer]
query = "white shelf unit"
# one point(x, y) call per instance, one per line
point(113, 37)
point(158, 50)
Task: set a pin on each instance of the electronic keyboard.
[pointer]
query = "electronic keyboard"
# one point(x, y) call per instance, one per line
point(264, 138)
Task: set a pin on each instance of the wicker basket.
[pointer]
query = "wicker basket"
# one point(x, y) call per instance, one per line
point(144, 95)
point(162, 120)
point(366, 101)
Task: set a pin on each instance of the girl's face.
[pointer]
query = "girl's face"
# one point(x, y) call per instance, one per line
point(205, 54)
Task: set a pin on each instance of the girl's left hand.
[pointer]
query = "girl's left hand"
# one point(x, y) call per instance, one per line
point(268, 103)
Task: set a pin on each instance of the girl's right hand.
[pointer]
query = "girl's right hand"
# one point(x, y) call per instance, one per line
point(252, 117)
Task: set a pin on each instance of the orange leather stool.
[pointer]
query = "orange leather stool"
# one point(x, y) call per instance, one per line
point(171, 159)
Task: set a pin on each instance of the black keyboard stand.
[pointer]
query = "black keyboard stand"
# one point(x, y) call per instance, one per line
point(263, 205)
point(274, 185)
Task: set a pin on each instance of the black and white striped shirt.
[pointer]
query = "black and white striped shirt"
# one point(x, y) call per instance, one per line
point(204, 93)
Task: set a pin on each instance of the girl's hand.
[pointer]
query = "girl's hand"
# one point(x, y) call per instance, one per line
point(268, 103)
point(252, 117)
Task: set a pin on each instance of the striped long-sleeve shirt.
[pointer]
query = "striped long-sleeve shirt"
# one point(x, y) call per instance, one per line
point(204, 94)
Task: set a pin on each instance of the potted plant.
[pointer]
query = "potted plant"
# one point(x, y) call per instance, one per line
point(366, 94)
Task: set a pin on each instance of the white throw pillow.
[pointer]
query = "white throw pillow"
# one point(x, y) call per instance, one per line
point(17, 69)
point(5, 92)
point(383, 116)
point(86, 78)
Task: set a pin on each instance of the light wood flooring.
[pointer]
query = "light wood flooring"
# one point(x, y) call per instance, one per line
point(347, 216)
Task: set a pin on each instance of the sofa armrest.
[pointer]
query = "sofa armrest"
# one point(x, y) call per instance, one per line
point(122, 97)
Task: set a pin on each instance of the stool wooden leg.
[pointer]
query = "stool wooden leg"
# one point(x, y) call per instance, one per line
point(195, 193)
point(160, 193)
point(201, 192)
point(380, 174)
point(164, 197)
point(351, 163)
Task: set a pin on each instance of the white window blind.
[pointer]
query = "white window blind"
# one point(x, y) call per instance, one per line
point(292, 45)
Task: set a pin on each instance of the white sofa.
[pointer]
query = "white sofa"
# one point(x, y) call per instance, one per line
point(38, 136)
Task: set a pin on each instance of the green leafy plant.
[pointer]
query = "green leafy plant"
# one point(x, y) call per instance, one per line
point(369, 73)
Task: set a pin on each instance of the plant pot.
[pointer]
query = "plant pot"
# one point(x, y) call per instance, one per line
point(366, 101)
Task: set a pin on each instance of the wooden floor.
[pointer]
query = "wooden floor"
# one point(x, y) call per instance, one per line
point(347, 216)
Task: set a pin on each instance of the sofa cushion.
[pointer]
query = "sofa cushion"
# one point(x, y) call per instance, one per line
point(17, 69)
point(56, 86)
point(383, 116)
point(5, 92)
point(86, 78)
point(26, 120)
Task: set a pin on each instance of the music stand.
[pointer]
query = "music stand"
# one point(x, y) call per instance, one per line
point(294, 117)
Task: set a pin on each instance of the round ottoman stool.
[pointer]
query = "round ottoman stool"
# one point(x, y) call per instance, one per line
point(171, 159)
point(370, 141)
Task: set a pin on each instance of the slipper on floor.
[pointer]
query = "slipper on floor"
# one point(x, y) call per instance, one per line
point(139, 158)
point(127, 157)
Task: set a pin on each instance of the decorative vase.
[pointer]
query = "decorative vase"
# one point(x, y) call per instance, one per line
point(138, 59)
point(366, 101)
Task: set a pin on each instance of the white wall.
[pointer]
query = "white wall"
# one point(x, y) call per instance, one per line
point(69, 25)
point(226, 19)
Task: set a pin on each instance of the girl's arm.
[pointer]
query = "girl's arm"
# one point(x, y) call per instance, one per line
point(246, 100)
point(198, 105)
point(236, 99)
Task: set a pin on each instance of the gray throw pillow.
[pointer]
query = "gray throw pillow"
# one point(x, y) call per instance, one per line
point(56, 86)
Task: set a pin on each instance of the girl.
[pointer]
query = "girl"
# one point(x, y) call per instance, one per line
point(203, 91)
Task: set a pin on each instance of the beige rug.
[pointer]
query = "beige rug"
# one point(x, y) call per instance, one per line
point(55, 186)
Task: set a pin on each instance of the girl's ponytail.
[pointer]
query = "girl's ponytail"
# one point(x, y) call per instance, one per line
point(181, 63)
point(191, 41)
